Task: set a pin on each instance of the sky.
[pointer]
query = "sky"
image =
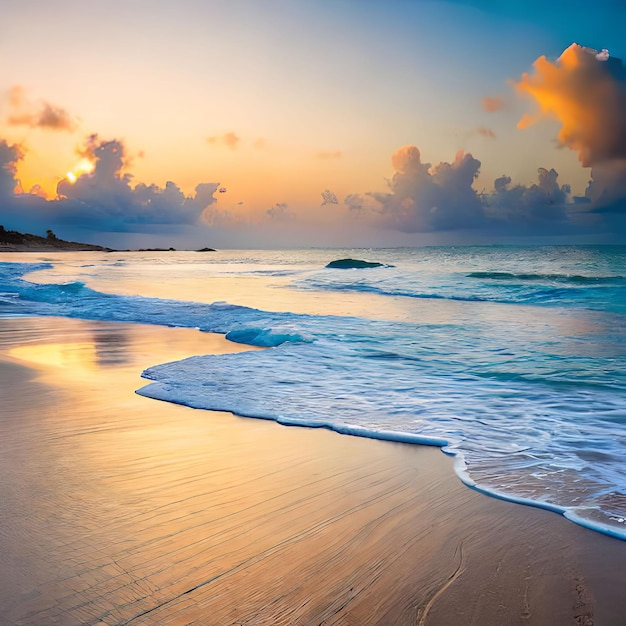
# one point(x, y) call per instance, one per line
point(287, 123)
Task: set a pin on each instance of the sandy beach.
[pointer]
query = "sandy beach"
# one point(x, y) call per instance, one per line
point(118, 509)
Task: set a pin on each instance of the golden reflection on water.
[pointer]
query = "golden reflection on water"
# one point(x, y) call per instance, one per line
point(73, 347)
point(79, 356)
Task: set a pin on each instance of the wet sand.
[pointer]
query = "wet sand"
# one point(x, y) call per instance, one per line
point(118, 509)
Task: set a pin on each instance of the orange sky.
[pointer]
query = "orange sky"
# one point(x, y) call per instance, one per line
point(276, 103)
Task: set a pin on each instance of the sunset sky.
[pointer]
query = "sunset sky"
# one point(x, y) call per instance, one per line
point(277, 101)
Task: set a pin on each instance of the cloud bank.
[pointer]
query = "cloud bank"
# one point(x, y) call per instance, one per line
point(543, 201)
point(583, 90)
point(425, 198)
point(102, 199)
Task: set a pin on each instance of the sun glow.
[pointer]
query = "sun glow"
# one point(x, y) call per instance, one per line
point(84, 166)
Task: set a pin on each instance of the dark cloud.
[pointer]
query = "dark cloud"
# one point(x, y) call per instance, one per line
point(425, 198)
point(9, 157)
point(606, 191)
point(545, 200)
point(104, 198)
point(37, 115)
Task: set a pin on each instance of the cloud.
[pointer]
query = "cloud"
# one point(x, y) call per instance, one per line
point(425, 198)
point(231, 140)
point(108, 193)
point(227, 139)
point(329, 197)
point(606, 191)
point(493, 103)
point(37, 190)
point(485, 132)
point(603, 55)
point(280, 212)
point(259, 144)
point(103, 198)
point(586, 92)
point(543, 201)
point(9, 157)
point(355, 202)
point(326, 155)
point(44, 115)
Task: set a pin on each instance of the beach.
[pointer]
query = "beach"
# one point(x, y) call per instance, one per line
point(119, 509)
point(313, 313)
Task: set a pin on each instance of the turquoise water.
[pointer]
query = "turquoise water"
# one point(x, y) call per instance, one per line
point(512, 359)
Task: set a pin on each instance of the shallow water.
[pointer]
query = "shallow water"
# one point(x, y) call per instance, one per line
point(116, 509)
point(514, 359)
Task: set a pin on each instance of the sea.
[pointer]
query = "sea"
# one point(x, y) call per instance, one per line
point(510, 359)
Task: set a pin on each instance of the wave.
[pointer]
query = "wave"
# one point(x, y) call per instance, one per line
point(602, 294)
point(483, 391)
point(514, 440)
point(272, 272)
point(264, 337)
point(573, 279)
point(557, 379)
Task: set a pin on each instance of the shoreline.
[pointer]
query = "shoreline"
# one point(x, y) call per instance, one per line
point(80, 247)
point(571, 514)
point(15, 241)
point(123, 509)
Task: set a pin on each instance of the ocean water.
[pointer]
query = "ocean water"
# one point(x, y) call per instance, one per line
point(512, 359)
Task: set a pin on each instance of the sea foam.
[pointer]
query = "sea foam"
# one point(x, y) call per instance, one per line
point(533, 412)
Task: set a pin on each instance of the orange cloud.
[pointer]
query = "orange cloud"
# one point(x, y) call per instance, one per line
point(586, 92)
point(228, 139)
point(493, 103)
point(37, 115)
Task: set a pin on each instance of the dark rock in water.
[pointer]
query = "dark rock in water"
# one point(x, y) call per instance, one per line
point(155, 250)
point(349, 264)
point(206, 250)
